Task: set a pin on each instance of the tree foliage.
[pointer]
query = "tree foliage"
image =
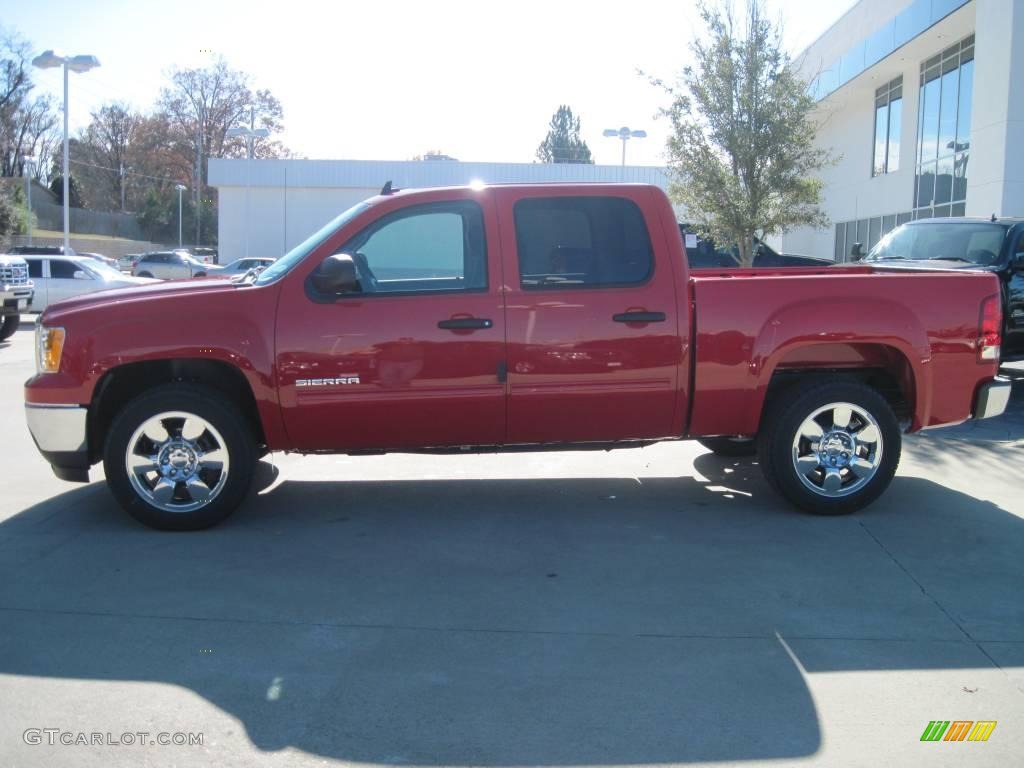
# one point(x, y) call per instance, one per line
point(742, 148)
point(563, 143)
point(12, 218)
point(157, 150)
point(74, 191)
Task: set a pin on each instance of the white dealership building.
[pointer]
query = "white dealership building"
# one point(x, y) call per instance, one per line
point(266, 207)
point(924, 102)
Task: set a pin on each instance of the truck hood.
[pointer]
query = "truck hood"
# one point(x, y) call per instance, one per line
point(149, 291)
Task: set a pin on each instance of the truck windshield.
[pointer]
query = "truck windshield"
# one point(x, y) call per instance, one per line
point(972, 242)
point(286, 263)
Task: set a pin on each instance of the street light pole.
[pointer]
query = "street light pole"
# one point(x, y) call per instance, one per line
point(27, 163)
point(81, 63)
point(67, 170)
point(181, 188)
point(625, 134)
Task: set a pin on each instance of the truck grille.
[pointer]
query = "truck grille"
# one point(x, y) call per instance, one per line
point(14, 274)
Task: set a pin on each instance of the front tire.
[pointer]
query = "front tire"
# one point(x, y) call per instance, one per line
point(144, 274)
point(180, 457)
point(10, 325)
point(831, 448)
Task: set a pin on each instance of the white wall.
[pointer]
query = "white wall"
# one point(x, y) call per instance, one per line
point(995, 180)
point(291, 199)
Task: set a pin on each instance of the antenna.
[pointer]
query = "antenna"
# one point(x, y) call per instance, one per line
point(386, 189)
point(993, 217)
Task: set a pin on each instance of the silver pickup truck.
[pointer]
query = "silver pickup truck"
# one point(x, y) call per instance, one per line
point(16, 292)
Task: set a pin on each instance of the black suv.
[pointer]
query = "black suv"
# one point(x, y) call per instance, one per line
point(993, 245)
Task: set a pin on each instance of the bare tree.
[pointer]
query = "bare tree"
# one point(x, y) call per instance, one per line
point(28, 125)
point(201, 105)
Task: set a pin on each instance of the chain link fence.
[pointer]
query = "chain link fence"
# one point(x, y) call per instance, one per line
point(51, 216)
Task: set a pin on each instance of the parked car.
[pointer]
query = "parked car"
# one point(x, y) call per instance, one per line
point(171, 265)
point(515, 317)
point(62, 277)
point(126, 262)
point(990, 245)
point(204, 254)
point(703, 253)
point(16, 293)
point(241, 266)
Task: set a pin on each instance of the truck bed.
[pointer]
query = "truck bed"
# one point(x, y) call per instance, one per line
point(919, 326)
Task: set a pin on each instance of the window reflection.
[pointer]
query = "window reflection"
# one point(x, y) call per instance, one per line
point(944, 131)
point(888, 119)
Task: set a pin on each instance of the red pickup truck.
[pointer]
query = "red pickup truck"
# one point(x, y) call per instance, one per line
point(507, 318)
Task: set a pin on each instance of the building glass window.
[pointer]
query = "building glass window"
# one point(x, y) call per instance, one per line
point(888, 120)
point(944, 131)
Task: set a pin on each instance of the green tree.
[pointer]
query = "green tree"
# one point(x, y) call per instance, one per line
point(742, 149)
point(563, 143)
point(11, 218)
point(74, 191)
point(155, 216)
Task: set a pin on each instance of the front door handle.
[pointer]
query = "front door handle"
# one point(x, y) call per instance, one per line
point(639, 317)
point(465, 323)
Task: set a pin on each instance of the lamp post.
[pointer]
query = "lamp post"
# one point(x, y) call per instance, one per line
point(250, 135)
point(181, 188)
point(80, 64)
point(625, 134)
point(27, 167)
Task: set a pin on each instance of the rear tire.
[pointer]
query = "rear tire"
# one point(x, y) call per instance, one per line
point(180, 457)
point(830, 448)
point(730, 446)
point(10, 325)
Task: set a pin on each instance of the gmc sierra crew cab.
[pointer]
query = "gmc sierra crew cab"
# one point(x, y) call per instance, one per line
point(507, 318)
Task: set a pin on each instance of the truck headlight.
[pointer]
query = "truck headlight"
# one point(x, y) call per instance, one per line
point(49, 346)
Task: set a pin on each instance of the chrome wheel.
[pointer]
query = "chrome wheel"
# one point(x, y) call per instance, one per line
point(177, 461)
point(837, 449)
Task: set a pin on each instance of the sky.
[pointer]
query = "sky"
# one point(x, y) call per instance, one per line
point(390, 80)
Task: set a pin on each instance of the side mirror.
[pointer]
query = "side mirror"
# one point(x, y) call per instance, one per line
point(857, 252)
point(80, 274)
point(337, 274)
point(1017, 262)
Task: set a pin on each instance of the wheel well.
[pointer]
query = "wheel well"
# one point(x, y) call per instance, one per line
point(894, 386)
point(121, 384)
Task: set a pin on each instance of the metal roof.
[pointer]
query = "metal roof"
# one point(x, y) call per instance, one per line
point(417, 173)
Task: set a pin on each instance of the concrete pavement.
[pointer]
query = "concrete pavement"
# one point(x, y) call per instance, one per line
point(654, 605)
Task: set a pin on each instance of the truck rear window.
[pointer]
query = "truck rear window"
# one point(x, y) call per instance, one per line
point(566, 242)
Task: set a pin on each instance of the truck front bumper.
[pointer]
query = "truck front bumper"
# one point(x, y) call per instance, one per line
point(992, 398)
point(15, 299)
point(60, 435)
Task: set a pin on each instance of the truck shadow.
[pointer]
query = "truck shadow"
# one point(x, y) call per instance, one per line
point(513, 621)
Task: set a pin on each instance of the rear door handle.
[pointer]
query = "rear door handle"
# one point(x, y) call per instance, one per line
point(639, 317)
point(465, 323)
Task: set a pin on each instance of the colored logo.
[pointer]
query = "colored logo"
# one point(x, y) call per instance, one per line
point(958, 730)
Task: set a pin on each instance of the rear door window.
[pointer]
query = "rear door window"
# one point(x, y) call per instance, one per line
point(64, 270)
point(581, 242)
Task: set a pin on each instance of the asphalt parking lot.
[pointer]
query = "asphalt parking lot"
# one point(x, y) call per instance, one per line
point(654, 605)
